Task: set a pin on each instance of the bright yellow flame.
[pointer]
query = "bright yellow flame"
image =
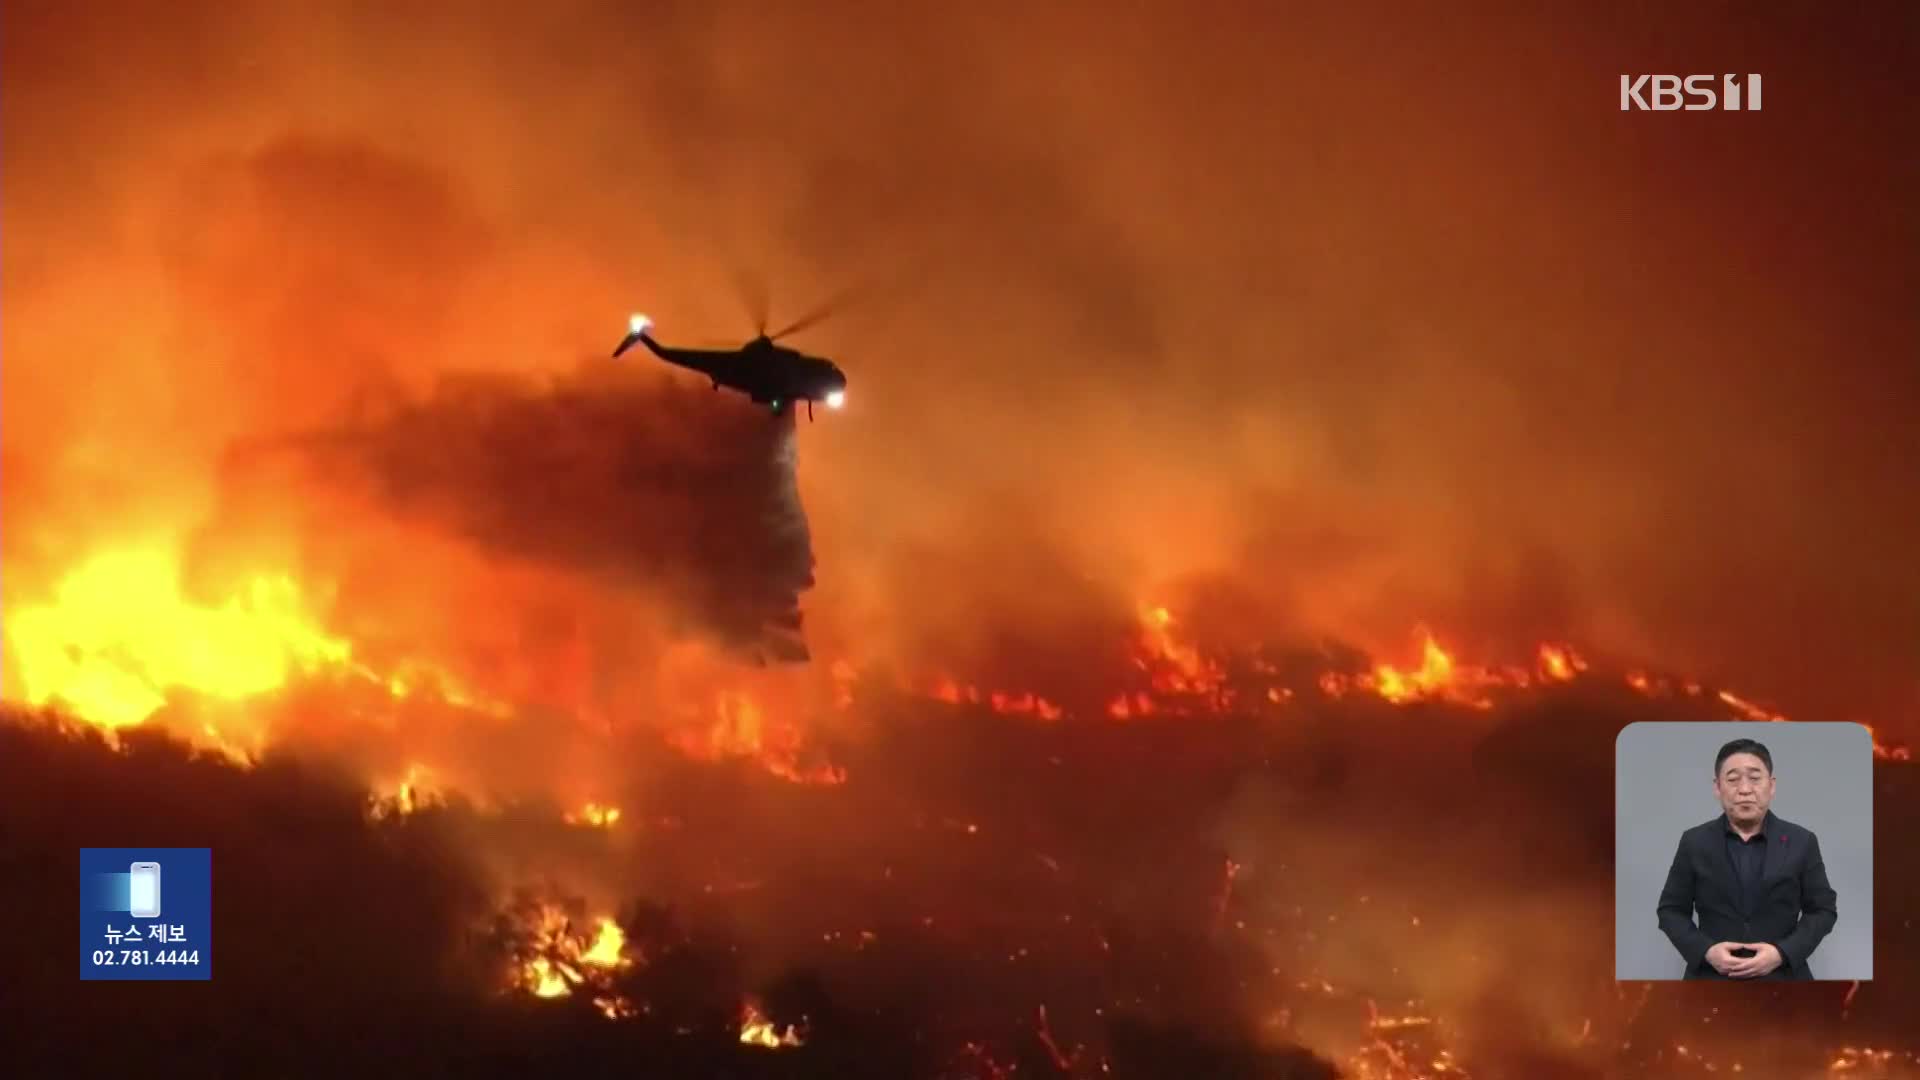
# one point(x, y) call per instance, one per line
point(544, 980)
point(1399, 687)
point(563, 959)
point(757, 1030)
point(607, 947)
point(120, 634)
point(595, 815)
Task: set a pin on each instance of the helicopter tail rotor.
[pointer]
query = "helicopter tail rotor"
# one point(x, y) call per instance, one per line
point(637, 328)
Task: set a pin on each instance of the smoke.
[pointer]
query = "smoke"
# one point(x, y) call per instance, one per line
point(615, 479)
point(1160, 320)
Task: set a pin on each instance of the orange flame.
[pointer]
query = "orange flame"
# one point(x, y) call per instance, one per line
point(757, 1030)
point(1559, 663)
point(740, 729)
point(950, 691)
point(414, 792)
point(564, 961)
point(1175, 666)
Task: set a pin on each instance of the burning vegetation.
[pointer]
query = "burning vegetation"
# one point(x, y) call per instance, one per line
point(982, 883)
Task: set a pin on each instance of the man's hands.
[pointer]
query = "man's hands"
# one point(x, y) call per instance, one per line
point(1764, 960)
point(1722, 958)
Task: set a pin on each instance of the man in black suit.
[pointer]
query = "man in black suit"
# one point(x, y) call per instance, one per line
point(1758, 882)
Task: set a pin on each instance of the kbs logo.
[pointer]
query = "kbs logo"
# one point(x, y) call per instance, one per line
point(1694, 93)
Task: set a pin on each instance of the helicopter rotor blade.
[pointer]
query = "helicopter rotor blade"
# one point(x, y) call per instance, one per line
point(832, 304)
point(753, 296)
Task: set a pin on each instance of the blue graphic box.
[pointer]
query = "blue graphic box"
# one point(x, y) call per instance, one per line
point(146, 913)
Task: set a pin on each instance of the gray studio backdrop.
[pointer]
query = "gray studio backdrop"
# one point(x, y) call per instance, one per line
point(1663, 785)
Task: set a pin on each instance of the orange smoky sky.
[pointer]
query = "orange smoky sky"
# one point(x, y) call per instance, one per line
point(1358, 318)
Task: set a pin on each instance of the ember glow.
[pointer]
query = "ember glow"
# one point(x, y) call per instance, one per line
point(756, 1030)
point(414, 791)
point(1281, 500)
point(595, 816)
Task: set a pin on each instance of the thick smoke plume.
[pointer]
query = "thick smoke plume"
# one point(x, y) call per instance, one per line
point(617, 478)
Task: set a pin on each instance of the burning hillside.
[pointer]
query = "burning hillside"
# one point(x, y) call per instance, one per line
point(960, 882)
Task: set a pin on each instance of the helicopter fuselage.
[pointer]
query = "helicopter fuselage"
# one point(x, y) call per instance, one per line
point(769, 374)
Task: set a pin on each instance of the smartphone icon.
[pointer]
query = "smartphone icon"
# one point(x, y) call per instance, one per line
point(145, 890)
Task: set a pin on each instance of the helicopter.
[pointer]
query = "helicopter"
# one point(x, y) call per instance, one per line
point(769, 373)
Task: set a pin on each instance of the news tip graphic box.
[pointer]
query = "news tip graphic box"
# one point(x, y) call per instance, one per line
point(146, 913)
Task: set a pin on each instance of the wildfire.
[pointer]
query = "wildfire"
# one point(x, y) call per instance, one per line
point(1182, 680)
point(1747, 710)
point(1026, 703)
point(120, 635)
point(740, 729)
point(1896, 752)
point(757, 1030)
point(1380, 1060)
point(1435, 673)
point(593, 815)
point(1174, 669)
point(1176, 666)
point(415, 791)
point(607, 946)
point(1377, 1022)
point(1439, 677)
point(562, 960)
point(122, 638)
point(1852, 1059)
point(86, 652)
point(1560, 664)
